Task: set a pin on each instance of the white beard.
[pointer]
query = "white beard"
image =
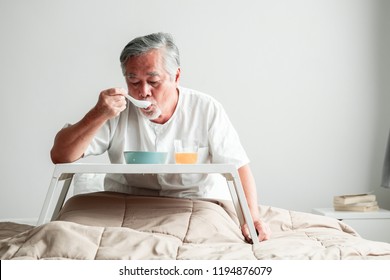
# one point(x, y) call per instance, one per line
point(152, 114)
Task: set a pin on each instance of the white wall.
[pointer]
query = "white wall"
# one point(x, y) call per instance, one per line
point(313, 72)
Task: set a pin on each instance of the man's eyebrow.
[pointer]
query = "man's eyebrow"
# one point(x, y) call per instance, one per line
point(153, 74)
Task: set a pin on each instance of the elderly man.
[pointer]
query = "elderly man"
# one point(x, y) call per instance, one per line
point(151, 68)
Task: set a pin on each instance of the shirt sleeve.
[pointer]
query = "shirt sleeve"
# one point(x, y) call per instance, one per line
point(100, 142)
point(224, 142)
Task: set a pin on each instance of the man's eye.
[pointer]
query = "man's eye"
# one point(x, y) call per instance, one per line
point(153, 83)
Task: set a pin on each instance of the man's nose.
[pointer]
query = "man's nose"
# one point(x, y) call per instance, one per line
point(144, 90)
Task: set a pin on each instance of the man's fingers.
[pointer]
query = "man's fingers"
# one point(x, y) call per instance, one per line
point(112, 102)
point(115, 91)
point(245, 233)
point(263, 230)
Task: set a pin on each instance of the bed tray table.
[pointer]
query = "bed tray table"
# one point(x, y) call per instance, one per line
point(65, 173)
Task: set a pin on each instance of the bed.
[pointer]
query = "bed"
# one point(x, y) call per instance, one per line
point(110, 226)
point(107, 225)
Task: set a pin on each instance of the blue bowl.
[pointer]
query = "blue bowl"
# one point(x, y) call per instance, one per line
point(132, 157)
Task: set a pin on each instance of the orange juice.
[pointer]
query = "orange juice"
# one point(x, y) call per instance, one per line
point(189, 158)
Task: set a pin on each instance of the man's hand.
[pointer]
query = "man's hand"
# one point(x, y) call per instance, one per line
point(249, 185)
point(262, 229)
point(111, 102)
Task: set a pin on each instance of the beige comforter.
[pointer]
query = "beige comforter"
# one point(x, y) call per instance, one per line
point(118, 226)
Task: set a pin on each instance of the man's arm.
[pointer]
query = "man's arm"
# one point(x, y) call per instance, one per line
point(71, 142)
point(249, 185)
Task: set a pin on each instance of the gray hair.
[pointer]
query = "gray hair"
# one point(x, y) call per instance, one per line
point(144, 44)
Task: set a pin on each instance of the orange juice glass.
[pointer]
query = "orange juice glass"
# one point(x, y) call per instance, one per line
point(186, 151)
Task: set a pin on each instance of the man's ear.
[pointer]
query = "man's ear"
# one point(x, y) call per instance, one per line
point(177, 76)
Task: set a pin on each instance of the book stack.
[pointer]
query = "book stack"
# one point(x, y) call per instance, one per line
point(355, 202)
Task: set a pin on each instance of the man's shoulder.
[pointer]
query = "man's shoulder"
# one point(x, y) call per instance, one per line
point(191, 95)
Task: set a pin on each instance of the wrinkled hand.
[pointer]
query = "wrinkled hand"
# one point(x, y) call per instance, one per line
point(262, 228)
point(111, 102)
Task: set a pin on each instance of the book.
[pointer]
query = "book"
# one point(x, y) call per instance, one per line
point(353, 198)
point(356, 208)
point(368, 203)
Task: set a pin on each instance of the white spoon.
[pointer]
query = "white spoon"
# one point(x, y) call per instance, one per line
point(139, 103)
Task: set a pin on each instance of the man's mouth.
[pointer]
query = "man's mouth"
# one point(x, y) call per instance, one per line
point(147, 109)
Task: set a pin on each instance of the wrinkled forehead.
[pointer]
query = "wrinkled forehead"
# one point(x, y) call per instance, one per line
point(148, 64)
